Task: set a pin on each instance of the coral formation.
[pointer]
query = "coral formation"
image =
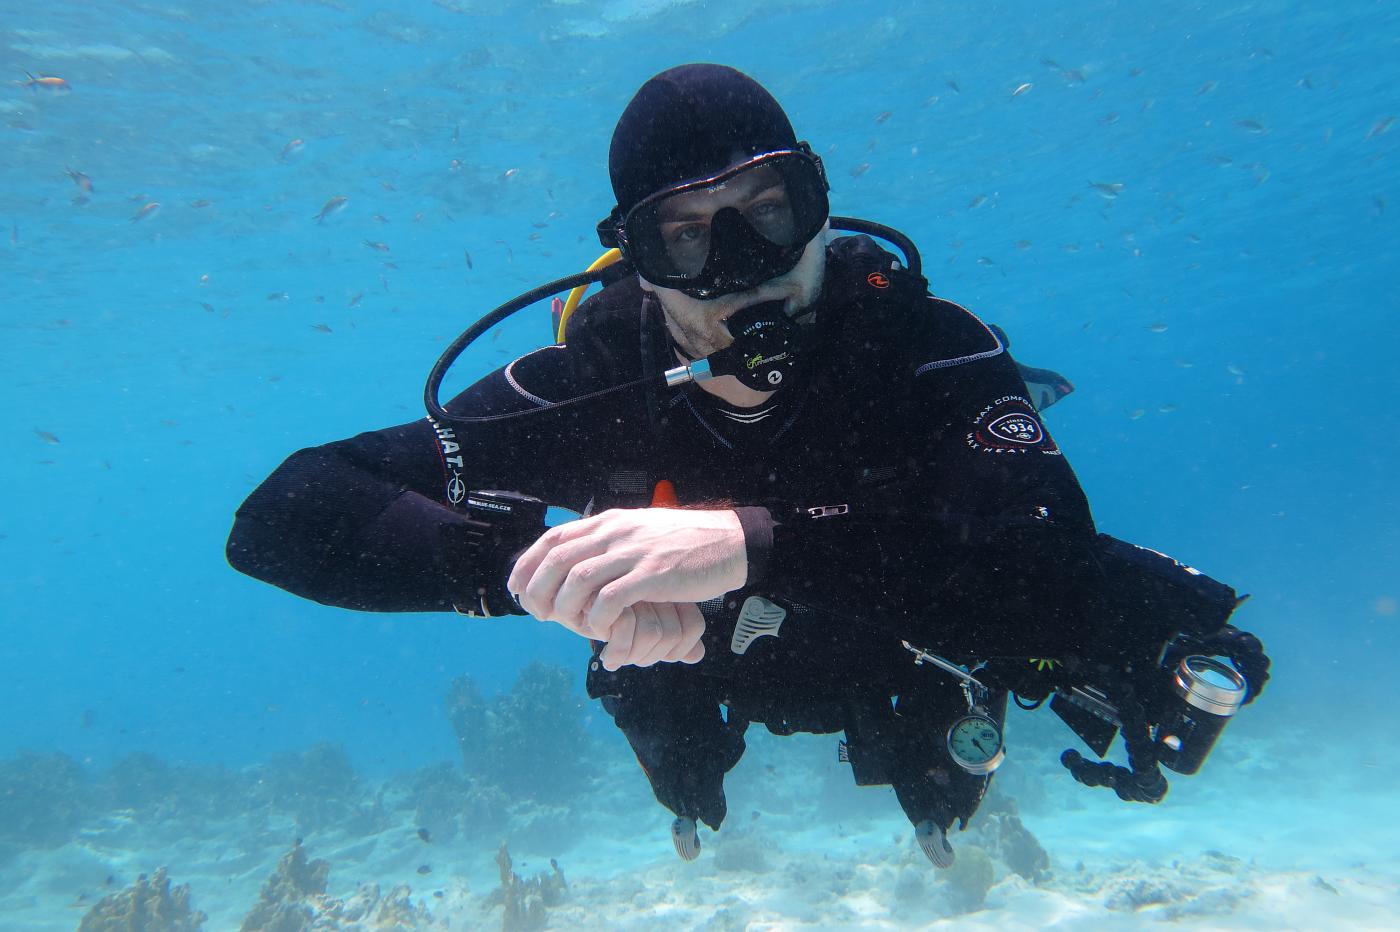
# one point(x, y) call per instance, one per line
point(367, 909)
point(290, 897)
point(969, 879)
point(294, 900)
point(318, 786)
point(44, 798)
point(524, 902)
point(149, 905)
point(1007, 837)
point(445, 801)
point(530, 741)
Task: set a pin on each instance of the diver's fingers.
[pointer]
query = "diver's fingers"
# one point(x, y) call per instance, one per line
point(612, 597)
point(692, 630)
point(529, 562)
point(579, 588)
point(554, 571)
point(619, 645)
point(648, 633)
point(668, 624)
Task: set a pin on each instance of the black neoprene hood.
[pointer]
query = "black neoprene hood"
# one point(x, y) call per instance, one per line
point(688, 122)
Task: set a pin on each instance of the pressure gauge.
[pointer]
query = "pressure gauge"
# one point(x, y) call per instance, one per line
point(975, 742)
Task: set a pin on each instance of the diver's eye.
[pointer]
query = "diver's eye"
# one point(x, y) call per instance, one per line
point(689, 235)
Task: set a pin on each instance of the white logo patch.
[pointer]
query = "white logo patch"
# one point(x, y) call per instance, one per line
point(1017, 428)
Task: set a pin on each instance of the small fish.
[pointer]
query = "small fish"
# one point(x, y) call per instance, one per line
point(1158, 327)
point(977, 202)
point(883, 116)
point(1075, 76)
point(454, 166)
point(379, 218)
point(207, 306)
point(468, 256)
point(1378, 205)
point(323, 328)
point(984, 260)
point(1023, 244)
point(377, 247)
point(1136, 414)
point(1108, 119)
point(1022, 89)
point(1234, 370)
point(332, 206)
point(387, 186)
point(509, 173)
point(1166, 408)
point(1107, 189)
point(200, 203)
point(291, 150)
point(1380, 128)
point(1222, 160)
point(355, 298)
point(424, 834)
point(954, 86)
point(147, 210)
point(425, 869)
point(1207, 87)
point(47, 81)
point(14, 232)
point(1192, 238)
point(278, 296)
point(83, 182)
point(46, 436)
point(1252, 126)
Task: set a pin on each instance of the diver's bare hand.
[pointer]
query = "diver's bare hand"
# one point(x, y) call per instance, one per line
point(655, 632)
point(583, 574)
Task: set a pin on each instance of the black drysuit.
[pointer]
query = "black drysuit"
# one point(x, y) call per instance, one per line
point(900, 486)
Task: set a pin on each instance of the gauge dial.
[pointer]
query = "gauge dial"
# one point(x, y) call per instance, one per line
point(975, 742)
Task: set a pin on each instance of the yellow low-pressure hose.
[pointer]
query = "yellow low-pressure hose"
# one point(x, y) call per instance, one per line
point(575, 296)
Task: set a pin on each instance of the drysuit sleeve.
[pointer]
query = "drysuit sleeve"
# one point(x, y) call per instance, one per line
point(980, 548)
point(368, 523)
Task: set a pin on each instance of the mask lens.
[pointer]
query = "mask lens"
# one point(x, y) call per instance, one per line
point(780, 198)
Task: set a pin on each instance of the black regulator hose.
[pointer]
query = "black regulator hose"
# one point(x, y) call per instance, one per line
point(431, 390)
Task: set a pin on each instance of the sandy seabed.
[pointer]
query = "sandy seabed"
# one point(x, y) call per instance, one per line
point(1248, 844)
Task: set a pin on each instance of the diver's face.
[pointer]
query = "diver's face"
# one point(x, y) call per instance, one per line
point(697, 325)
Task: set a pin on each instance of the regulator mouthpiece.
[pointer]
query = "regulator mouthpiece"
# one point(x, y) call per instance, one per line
point(762, 355)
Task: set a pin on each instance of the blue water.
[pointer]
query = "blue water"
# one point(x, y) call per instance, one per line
point(1228, 317)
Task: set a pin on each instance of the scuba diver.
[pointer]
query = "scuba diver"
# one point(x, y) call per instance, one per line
point(814, 497)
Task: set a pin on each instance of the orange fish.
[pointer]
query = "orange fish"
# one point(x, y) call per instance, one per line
point(332, 206)
point(146, 211)
point(51, 82)
point(81, 180)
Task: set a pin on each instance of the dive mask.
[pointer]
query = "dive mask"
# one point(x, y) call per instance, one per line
point(727, 232)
